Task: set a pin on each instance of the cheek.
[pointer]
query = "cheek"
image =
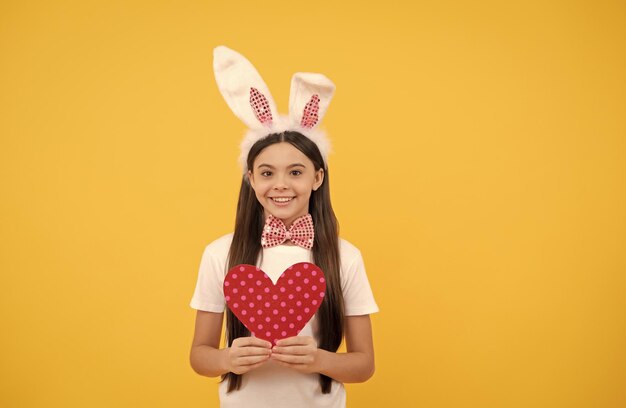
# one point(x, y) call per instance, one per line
point(261, 190)
point(306, 191)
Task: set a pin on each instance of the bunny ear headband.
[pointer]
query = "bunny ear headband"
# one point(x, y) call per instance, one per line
point(250, 100)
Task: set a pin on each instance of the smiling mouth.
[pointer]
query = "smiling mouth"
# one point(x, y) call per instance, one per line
point(281, 199)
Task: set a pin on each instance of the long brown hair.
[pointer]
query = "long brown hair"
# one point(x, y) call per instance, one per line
point(246, 248)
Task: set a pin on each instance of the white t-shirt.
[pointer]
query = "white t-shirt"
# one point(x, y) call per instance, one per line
point(272, 385)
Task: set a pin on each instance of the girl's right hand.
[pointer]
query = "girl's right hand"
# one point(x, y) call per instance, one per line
point(248, 353)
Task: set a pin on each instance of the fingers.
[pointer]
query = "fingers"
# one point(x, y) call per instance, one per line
point(295, 341)
point(297, 350)
point(248, 353)
point(252, 360)
point(252, 351)
point(251, 341)
point(299, 353)
point(242, 367)
point(298, 345)
point(293, 359)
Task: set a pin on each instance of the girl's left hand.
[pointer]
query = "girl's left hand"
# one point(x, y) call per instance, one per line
point(299, 352)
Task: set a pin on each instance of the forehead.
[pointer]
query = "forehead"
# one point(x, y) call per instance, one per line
point(281, 154)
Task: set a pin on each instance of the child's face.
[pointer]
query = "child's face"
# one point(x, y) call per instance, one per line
point(282, 178)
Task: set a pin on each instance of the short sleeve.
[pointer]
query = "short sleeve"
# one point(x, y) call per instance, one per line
point(357, 293)
point(209, 293)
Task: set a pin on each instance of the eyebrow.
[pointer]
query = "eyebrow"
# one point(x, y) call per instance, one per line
point(272, 167)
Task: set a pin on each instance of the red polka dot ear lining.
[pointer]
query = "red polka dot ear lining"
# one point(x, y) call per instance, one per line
point(275, 311)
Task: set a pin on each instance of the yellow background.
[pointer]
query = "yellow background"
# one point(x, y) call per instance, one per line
point(486, 141)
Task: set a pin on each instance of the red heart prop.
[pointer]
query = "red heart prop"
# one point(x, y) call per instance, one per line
point(273, 312)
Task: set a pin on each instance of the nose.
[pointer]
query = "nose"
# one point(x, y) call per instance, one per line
point(280, 183)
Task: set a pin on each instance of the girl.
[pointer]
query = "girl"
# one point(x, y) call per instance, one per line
point(284, 216)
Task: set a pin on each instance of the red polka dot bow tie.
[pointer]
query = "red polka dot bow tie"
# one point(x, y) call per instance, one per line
point(300, 233)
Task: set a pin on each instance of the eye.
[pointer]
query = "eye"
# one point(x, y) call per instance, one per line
point(296, 172)
point(266, 173)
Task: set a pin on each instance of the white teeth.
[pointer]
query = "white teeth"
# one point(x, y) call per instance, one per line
point(281, 199)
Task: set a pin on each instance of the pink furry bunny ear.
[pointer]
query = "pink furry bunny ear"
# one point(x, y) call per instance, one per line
point(309, 98)
point(243, 88)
